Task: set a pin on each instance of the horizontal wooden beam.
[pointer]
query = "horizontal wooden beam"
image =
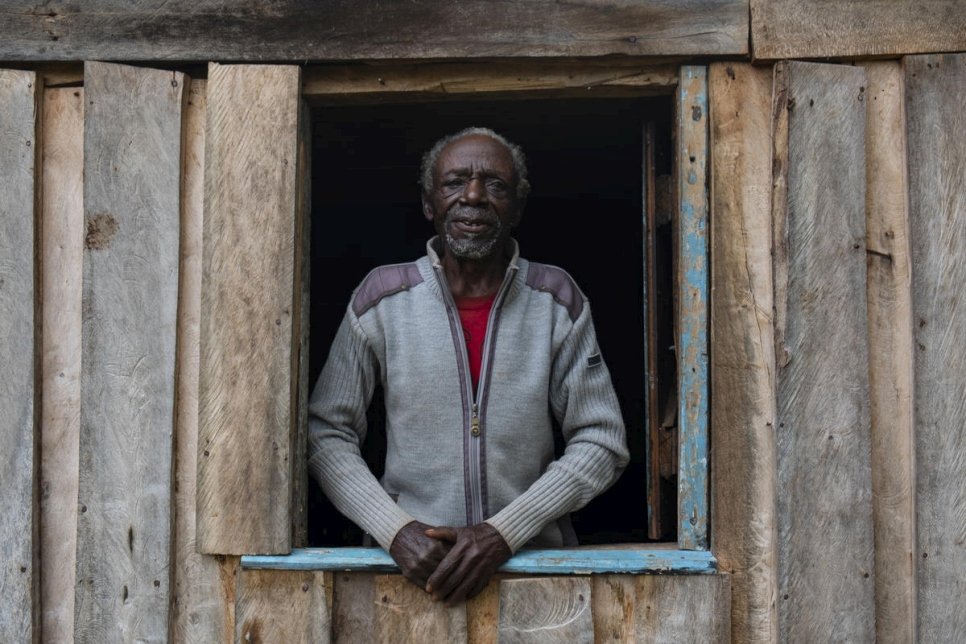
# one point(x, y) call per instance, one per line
point(200, 30)
point(552, 562)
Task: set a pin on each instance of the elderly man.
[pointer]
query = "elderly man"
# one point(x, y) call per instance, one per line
point(475, 348)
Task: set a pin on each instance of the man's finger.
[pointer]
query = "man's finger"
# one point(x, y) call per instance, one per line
point(443, 534)
point(445, 575)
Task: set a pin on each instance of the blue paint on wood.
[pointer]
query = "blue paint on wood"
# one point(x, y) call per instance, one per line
point(550, 562)
point(692, 343)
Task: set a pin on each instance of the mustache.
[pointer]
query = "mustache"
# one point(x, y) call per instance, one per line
point(471, 213)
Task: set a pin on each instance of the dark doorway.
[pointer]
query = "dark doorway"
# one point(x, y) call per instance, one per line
point(584, 214)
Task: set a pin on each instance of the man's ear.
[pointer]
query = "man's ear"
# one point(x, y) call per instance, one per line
point(518, 215)
point(427, 209)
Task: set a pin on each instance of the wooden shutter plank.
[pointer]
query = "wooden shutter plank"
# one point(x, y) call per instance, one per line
point(743, 346)
point(935, 122)
point(682, 608)
point(407, 613)
point(691, 285)
point(845, 28)
point(283, 606)
point(249, 314)
point(824, 463)
point(19, 576)
point(132, 171)
point(890, 358)
point(62, 264)
point(542, 609)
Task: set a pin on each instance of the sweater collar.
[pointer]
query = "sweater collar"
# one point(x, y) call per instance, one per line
point(434, 248)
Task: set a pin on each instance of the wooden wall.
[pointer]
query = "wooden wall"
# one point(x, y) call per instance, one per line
point(838, 380)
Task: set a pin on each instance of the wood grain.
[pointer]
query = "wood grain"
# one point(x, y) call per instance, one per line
point(742, 347)
point(291, 607)
point(546, 609)
point(19, 393)
point(249, 318)
point(935, 122)
point(682, 609)
point(198, 610)
point(890, 358)
point(62, 264)
point(347, 30)
point(354, 608)
point(613, 602)
point(820, 28)
point(483, 614)
point(824, 463)
point(132, 172)
point(406, 613)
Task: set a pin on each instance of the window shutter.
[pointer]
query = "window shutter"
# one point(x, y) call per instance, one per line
point(249, 450)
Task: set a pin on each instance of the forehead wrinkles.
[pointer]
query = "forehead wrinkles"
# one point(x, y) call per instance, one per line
point(475, 154)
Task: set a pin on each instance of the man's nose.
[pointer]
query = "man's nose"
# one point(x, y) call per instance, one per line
point(475, 191)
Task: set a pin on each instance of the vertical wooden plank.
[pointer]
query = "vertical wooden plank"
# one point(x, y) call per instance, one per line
point(132, 172)
point(546, 609)
point(613, 603)
point(743, 348)
point(890, 354)
point(934, 90)
point(19, 576)
point(198, 603)
point(248, 315)
point(824, 462)
point(406, 613)
point(692, 289)
point(62, 264)
point(693, 608)
point(283, 606)
point(354, 608)
point(483, 614)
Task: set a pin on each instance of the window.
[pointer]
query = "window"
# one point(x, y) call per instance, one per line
point(585, 158)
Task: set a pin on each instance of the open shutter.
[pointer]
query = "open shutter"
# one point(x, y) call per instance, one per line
point(249, 454)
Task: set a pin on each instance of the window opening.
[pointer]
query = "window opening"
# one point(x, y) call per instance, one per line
point(585, 214)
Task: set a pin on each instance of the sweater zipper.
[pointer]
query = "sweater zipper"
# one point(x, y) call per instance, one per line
point(475, 512)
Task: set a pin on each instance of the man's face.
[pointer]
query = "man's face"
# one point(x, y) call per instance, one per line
point(474, 204)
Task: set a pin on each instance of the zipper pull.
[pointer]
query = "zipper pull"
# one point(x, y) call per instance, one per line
point(475, 422)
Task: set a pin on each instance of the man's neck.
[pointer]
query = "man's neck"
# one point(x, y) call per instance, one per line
point(475, 277)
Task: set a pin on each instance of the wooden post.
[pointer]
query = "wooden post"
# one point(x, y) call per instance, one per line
point(935, 126)
point(825, 538)
point(19, 435)
point(743, 466)
point(249, 312)
point(890, 355)
point(62, 264)
point(132, 173)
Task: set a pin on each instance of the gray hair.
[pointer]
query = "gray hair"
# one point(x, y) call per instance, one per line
point(516, 153)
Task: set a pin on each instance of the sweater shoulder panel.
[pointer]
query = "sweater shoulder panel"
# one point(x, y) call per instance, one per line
point(559, 283)
point(382, 282)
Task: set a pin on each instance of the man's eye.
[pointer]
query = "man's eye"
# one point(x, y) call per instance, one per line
point(496, 186)
point(454, 183)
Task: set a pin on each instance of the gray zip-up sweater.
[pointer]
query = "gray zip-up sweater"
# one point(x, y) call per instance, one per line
point(455, 457)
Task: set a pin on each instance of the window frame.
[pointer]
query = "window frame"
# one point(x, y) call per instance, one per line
point(688, 83)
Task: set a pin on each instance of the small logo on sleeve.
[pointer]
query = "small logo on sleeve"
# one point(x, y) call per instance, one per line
point(594, 360)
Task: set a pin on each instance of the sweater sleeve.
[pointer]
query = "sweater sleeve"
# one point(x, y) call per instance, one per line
point(337, 427)
point(584, 403)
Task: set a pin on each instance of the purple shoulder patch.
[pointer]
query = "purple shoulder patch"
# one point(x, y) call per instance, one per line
point(559, 284)
point(382, 282)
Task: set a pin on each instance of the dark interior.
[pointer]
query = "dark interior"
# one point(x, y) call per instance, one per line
point(584, 214)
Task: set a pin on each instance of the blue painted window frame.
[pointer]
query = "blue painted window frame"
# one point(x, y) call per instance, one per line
point(690, 555)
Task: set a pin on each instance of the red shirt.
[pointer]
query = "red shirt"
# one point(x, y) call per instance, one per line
point(474, 316)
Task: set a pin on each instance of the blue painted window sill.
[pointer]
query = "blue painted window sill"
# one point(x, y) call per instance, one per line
point(643, 559)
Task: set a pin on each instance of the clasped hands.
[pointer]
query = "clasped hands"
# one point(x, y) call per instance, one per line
point(451, 564)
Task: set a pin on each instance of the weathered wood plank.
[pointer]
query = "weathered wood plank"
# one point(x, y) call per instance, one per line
point(350, 30)
point(824, 463)
point(406, 613)
point(437, 81)
point(289, 607)
point(354, 608)
point(692, 305)
point(935, 122)
point(248, 313)
point(743, 347)
point(890, 358)
point(613, 601)
point(820, 28)
point(483, 614)
point(62, 264)
point(132, 172)
point(199, 611)
point(546, 609)
point(19, 438)
point(682, 609)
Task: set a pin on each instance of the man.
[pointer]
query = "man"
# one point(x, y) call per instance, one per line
point(475, 348)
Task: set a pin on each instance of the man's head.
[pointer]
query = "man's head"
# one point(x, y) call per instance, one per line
point(474, 186)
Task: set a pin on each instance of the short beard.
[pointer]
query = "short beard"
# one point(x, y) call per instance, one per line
point(478, 247)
